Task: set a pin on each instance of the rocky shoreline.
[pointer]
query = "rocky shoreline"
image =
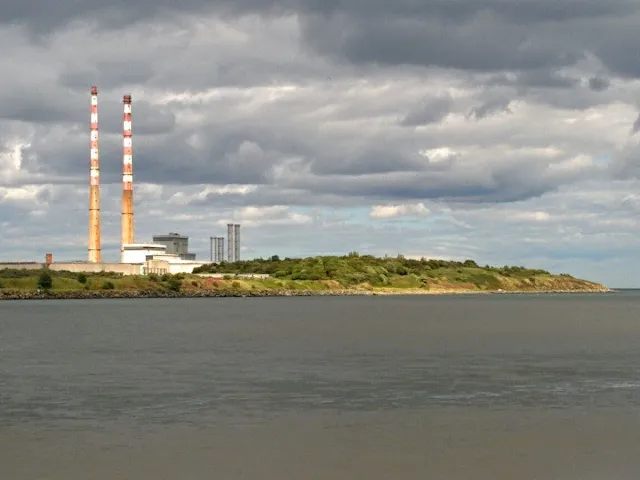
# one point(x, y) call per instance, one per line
point(133, 294)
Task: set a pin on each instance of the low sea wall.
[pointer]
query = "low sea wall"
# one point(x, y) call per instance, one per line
point(21, 266)
point(123, 268)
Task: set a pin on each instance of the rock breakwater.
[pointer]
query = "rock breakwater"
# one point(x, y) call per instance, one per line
point(132, 294)
point(115, 294)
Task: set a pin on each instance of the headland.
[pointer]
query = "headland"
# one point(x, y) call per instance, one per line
point(351, 274)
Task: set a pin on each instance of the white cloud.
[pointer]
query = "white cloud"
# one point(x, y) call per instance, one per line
point(27, 195)
point(273, 215)
point(404, 210)
point(530, 216)
point(180, 198)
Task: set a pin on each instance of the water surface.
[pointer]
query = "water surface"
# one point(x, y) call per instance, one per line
point(451, 387)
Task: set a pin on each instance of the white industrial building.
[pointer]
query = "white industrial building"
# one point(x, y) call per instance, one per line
point(141, 252)
point(152, 257)
point(172, 263)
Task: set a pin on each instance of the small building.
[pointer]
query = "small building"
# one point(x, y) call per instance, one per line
point(166, 263)
point(141, 252)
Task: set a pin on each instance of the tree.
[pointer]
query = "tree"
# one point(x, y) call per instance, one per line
point(45, 281)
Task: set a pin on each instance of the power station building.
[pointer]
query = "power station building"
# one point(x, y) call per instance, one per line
point(166, 254)
point(176, 245)
point(141, 252)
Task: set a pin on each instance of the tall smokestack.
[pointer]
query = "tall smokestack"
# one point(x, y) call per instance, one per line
point(230, 243)
point(127, 177)
point(236, 242)
point(95, 254)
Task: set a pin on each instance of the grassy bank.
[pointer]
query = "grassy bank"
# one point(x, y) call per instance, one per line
point(320, 275)
point(391, 274)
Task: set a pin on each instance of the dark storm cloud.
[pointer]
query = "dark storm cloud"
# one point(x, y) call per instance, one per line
point(497, 105)
point(481, 35)
point(540, 78)
point(64, 157)
point(241, 156)
point(636, 126)
point(518, 11)
point(402, 187)
point(429, 112)
point(110, 74)
point(459, 182)
point(599, 84)
point(546, 79)
point(45, 14)
point(370, 160)
point(48, 104)
point(476, 36)
point(35, 103)
point(487, 43)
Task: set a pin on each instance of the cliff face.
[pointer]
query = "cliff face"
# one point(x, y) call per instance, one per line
point(493, 282)
point(551, 282)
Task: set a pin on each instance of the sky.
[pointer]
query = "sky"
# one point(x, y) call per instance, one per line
point(504, 131)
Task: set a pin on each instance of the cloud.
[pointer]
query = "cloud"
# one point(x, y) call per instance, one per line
point(599, 84)
point(432, 111)
point(404, 210)
point(490, 107)
point(636, 126)
point(309, 122)
point(254, 216)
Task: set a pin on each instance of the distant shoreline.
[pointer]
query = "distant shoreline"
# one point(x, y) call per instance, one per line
point(141, 294)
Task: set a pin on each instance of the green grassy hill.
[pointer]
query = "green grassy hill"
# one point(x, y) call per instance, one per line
point(393, 273)
point(329, 273)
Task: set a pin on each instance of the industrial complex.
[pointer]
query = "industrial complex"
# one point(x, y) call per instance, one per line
point(164, 254)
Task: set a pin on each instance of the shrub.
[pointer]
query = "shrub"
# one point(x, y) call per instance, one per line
point(82, 278)
point(174, 284)
point(108, 285)
point(45, 281)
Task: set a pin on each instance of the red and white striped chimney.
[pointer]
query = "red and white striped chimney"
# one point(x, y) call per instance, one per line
point(95, 254)
point(127, 177)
